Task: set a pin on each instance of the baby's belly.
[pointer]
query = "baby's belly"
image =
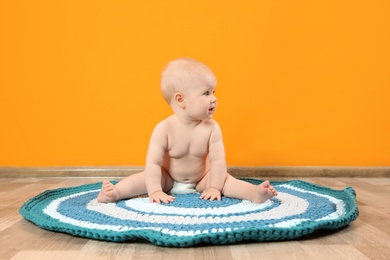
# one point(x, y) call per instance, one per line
point(188, 170)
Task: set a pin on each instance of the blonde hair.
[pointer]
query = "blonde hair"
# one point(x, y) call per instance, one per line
point(176, 74)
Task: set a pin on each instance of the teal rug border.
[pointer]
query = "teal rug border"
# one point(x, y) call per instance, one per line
point(35, 215)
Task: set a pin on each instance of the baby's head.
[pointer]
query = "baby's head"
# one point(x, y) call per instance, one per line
point(184, 74)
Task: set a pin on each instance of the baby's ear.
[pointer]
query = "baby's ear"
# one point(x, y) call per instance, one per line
point(179, 99)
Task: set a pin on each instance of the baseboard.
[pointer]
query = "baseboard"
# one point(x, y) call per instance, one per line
point(268, 172)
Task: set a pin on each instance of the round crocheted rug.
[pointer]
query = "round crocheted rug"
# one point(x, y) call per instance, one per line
point(301, 208)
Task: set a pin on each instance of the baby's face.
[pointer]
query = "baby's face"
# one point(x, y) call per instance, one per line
point(200, 101)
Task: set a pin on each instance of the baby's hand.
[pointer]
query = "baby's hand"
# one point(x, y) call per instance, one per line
point(160, 196)
point(211, 194)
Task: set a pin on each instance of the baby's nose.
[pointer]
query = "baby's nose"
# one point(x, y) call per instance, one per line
point(213, 99)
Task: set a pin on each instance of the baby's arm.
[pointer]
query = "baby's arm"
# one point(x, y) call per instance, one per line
point(218, 169)
point(154, 161)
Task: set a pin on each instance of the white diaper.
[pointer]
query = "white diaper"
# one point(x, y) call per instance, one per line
point(183, 188)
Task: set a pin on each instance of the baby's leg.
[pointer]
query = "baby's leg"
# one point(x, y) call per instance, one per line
point(128, 187)
point(239, 189)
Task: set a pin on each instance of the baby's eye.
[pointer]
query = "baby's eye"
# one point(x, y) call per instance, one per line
point(208, 93)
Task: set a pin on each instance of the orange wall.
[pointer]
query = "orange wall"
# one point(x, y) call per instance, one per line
point(299, 82)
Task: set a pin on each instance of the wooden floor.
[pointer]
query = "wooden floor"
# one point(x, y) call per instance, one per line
point(366, 238)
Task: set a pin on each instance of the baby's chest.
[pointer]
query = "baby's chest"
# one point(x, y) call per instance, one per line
point(179, 147)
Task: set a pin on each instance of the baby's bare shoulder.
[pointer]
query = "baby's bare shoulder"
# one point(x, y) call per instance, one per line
point(211, 124)
point(165, 123)
point(162, 128)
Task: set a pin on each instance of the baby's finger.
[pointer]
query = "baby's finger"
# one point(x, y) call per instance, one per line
point(158, 201)
point(202, 196)
point(169, 199)
point(166, 200)
point(216, 197)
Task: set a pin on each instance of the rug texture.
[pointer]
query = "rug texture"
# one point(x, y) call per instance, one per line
point(301, 208)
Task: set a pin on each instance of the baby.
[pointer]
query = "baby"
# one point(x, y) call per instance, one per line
point(186, 152)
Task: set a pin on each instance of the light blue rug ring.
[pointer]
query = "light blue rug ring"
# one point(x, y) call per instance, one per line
point(300, 209)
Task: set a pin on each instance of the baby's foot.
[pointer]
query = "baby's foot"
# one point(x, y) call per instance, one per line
point(263, 192)
point(108, 193)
